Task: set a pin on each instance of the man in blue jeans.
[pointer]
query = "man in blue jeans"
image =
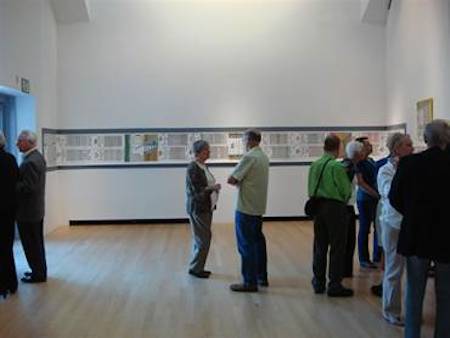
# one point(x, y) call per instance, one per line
point(251, 176)
point(367, 201)
point(419, 192)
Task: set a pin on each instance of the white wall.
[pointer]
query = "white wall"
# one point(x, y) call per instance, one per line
point(418, 58)
point(211, 64)
point(215, 63)
point(28, 49)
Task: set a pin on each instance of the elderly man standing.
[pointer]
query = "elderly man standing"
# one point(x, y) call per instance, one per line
point(251, 176)
point(419, 192)
point(30, 191)
point(329, 182)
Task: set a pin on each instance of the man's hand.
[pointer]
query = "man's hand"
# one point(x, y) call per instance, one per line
point(231, 180)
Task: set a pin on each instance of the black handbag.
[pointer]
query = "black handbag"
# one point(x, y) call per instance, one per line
point(312, 204)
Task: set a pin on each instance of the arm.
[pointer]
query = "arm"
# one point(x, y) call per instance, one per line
point(343, 184)
point(241, 170)
point(197, 182)
point(363, 184)
point(397, 186)
point(30, 179)
point(384, 181)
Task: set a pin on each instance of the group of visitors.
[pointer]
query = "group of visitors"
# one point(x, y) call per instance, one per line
point(402, 197)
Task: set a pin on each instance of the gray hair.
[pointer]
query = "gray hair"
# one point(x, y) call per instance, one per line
point(2, 140)
point(352, 148)
point(436, 133)
point(253, 135)
point(28, 136)
point(394, 140)
point(199, 146)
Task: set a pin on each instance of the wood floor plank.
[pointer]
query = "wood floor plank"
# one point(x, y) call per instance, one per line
point(132, 281)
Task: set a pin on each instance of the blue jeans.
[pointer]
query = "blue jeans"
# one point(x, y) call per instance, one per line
point(417, 276)
point(252, 247)
point(367, 211)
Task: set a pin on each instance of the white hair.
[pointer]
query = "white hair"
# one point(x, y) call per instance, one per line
point(28, 136)
point(353, 148)
point(2, 140)
point(436, 133)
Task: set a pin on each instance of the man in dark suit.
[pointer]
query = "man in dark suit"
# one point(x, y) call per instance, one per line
point(419, 192)
point(30, 191)
point(8, 179)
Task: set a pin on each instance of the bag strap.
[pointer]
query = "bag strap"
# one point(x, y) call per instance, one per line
point(320, 177)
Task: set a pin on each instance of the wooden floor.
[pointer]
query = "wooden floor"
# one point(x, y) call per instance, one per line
point(132, 281)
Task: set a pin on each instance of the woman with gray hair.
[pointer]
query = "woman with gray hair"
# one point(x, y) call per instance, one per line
point(8, 178)
point(353, 154)
point(201, 197)
point(399, 145)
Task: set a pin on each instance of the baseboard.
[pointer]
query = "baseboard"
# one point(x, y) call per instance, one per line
point(129, 221)
point(172, 220)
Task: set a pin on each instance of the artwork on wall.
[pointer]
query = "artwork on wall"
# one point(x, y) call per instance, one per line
point(84, 148)
point(424, 116)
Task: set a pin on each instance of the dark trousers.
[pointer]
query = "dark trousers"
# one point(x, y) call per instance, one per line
point(351, 242)
point(330, 230)
point(416, 282)
point(252, 247)
point(32, 238)
point(367, 211)
point(8, 275)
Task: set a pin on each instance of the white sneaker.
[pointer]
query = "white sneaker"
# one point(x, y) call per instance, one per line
point(394, 320)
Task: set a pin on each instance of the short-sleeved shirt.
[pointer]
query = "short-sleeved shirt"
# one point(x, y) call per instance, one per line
point(252, 172)
point(334, 184)
point(368, 170)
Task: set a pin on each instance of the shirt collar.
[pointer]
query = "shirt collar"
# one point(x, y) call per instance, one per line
point(25, 154)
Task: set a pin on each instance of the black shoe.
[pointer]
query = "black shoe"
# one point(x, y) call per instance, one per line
point(377, 290)
point(340, 292)
point(28, 274)
point(33, 280)
point(319, 291)
point(207, 272)
point(243, 288)
point(263, 283)
point(201, 274)
point(319, 287)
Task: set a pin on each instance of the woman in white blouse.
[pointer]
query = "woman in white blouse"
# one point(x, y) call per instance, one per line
point(399, 145)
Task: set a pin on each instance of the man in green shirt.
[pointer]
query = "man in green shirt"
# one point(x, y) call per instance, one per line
point(329, 181)
point(251, 176)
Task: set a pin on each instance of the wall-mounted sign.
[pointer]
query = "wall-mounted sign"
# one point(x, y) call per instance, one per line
point(25, 85)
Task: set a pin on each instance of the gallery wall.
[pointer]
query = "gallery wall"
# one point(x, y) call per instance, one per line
point(159, 64)
point(28, 49)
point(173, 64)
point(417, 54)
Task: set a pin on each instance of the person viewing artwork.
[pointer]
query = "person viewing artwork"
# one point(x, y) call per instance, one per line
point(30, 191)
point(251, 177)
point(329, 182)
point(201, 198)
point(419, 192)
point(8, 178)
point(353, 155)
point(367, 200)
point(399, 145)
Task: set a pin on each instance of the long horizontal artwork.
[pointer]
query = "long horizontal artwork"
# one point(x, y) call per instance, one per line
point(156, 147)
